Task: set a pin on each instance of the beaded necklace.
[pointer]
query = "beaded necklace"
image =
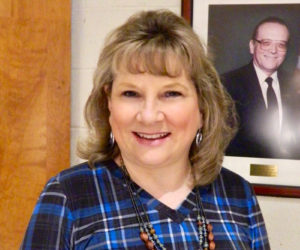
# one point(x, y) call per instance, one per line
point(147, 232)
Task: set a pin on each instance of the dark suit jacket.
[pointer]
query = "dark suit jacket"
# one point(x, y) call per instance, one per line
point(254, 138)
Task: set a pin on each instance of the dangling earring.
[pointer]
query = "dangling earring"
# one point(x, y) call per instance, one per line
point(111, 139)
point(198, 138)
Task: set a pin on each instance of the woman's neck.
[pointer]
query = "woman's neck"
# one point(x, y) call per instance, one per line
point(169, 184)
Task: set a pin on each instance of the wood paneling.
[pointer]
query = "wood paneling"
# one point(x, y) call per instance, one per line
point(34, 106)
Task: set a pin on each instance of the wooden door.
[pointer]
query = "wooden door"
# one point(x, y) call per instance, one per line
point(34, 106)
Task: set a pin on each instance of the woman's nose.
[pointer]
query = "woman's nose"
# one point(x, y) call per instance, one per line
point(150, 112)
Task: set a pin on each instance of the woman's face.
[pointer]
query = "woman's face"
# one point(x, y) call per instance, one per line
point(154, 118)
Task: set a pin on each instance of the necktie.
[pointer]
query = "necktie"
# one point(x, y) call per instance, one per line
point(272, 104)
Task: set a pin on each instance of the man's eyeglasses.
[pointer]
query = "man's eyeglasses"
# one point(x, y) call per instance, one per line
point(266, 44)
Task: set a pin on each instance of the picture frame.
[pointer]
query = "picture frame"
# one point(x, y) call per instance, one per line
point(285, 182)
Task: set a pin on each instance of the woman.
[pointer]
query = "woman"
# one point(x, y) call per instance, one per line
point(159, 122)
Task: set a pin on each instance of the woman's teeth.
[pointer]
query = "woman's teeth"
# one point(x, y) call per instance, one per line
point(152, 136)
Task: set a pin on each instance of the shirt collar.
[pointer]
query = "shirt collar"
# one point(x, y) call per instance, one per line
point(262, 75)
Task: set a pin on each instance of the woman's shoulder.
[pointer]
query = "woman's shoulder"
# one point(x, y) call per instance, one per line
point(233, 185)
point(83, 172)
point(81, 182)
point(231, 176)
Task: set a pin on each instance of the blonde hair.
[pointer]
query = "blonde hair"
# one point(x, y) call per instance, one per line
point(146, 43)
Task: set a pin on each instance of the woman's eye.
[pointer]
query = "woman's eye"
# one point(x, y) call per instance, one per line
point(130, 93)
point(172, 94)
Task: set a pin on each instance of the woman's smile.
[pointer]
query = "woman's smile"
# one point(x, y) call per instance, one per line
point(151, 139)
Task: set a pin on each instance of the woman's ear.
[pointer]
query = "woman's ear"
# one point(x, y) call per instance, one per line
point(107, 94)
point(200, 120)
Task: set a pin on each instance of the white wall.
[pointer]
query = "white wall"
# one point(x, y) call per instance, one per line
point(91, 21)
point(282, 217)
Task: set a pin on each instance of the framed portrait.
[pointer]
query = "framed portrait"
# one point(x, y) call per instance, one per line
point(227, 28)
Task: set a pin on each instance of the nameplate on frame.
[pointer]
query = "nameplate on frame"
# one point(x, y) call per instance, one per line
point(263, 170)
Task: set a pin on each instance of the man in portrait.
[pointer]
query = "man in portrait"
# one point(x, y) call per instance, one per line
point(260, 91)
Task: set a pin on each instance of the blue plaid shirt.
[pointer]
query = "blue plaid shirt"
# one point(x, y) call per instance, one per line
point(83, 208)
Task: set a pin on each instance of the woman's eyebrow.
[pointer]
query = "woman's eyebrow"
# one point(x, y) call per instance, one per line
point(175, 85)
